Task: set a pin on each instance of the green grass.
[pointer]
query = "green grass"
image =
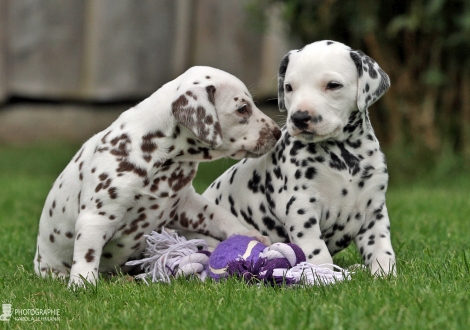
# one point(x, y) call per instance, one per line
point(430, 226)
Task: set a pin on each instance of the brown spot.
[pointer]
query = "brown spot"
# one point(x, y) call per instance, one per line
point(103, 139)
point(90, 255)
point(122, 126)
point(66, 265)
point(112, 193)
point(136, 237)
point(107, 255)
point(53, 204)
point(209, 120)
point(56, 231)
point(207, 77)
point(129, 209)
point(83, 207)
point(98, 187)
point(155, 207)
point(148, 146)
point(79, 155)
point(145, 225)
point(103, 176)
point(190, 94)
point(80, 166)
point(125, 166)
point(50, 213)
point(102, 213)
point(147, 158)
point(68, 234)
point(140, 210)
point(179, 180)
point(99, 205)
point(78, 236)
point(93, 170)
point(236, 99)
point(232, 140)
point(120, 245)
point(211, 216)
point(112, 217)
point(81, 176)
point(51, 238)
point(184, 220)
point(154, 186)
point(137, 197)
point(135, 247)
point(191, 141)
point(164, 194)
point(123, 137)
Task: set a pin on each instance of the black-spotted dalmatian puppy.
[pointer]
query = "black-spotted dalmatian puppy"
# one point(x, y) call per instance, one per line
point(135, 176)
point(324, 184)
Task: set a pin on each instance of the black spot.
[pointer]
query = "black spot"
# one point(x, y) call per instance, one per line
point(300, 234)
point(232, 206)
point(262, 208)
point(344, 192)
point(254, 182)
point(298, 145)
point(336, 163)
point(269, 222)
point(310, 173)
point(289, 203)
point(233, 175)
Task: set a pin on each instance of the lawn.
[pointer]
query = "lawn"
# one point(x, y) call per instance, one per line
point(430, 233)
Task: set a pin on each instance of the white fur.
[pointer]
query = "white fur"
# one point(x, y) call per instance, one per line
point(324, 183)
point(135, 176)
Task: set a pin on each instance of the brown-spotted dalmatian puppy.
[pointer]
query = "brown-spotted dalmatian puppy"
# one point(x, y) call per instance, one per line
point(135, 176)
point(324, 183)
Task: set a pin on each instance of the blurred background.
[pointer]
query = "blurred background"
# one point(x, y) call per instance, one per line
point(68, 68)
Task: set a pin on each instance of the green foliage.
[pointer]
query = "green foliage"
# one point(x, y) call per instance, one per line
point(422, 45)
point(429, 232)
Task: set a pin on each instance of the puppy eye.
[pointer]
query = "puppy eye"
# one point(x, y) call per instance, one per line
point(242, 109)
point(333, 85)
point(288, 88)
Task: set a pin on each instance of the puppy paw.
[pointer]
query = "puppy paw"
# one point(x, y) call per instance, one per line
point(256, 234)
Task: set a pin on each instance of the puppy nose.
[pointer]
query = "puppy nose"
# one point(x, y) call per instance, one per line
point(277, 133)
point(301, 119)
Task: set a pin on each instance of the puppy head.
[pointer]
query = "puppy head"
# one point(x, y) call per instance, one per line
point(322, 84)
point(218, 110)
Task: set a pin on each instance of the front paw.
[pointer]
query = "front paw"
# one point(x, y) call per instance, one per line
point(257, 235)
point(81, 282)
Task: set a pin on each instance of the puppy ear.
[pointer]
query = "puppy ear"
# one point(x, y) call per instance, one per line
point(195, 109)
point(372, 81)
point(280, 82)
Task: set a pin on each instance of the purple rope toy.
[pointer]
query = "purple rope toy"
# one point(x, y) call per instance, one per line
point(168, 255)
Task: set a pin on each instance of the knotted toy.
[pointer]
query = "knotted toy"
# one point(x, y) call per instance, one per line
point(168, 255)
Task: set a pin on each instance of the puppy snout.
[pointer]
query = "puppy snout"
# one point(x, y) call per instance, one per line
point(301, 119)
point(277, 133)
